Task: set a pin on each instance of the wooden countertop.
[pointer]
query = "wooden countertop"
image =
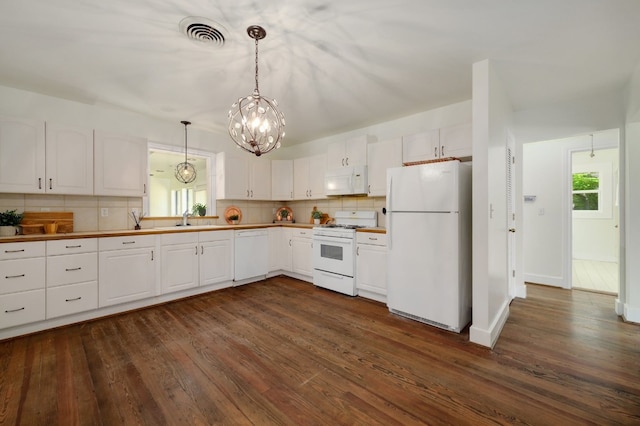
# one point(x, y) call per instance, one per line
point(150, 231)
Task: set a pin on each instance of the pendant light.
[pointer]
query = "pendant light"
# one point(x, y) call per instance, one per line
point(592, 153)
point(255, 123)
point(185, 172)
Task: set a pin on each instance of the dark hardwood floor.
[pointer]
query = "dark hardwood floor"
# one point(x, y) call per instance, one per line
point(284, 352)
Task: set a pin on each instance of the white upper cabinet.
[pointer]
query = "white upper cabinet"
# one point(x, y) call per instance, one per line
point(422, 146)
point(453, 141)
point(120, 165)
point(352, 152)
point(381, 156)
point(242, 177)
point(22, 155)
point(308, 177)
point(69, 160)
point(282, 180)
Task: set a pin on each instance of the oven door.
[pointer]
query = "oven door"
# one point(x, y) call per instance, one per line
point(333, 254)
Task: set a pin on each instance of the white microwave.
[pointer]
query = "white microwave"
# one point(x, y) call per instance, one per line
point(346, 181)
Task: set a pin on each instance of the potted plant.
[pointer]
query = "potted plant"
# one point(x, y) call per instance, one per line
point(234, 218)
point(199, 209)
point(284, 214)
point(9, 220)
point(317, 215)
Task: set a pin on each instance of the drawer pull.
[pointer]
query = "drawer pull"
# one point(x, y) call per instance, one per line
point(78, 246)
point(73, 300)
point(14, 310)
point(73, 269)
point(128, 242)
point(14, 251)
point(14, 276)
point(373, 239)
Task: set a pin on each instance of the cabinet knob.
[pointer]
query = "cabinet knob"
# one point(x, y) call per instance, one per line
point(512, 229)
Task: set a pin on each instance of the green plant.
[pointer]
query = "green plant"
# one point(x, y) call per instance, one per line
point(284, 214)
point(10, 218)
point(234, 217)
point(316, 214)
point(199, 209)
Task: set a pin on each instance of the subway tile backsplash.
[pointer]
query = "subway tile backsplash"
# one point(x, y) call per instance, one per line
point(87, 210)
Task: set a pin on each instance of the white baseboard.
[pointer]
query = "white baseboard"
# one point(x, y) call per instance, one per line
point(631, 313)
point(545, 279)
point(489, 337)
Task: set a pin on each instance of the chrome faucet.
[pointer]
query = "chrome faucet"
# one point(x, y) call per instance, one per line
point(185, 217)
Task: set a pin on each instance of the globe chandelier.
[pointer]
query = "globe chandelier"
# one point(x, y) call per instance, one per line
point(255, 123)
point(185, 172)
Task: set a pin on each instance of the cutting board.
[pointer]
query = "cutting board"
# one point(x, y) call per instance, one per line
point(33, 222)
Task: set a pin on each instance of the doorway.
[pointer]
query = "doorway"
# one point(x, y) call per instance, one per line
point(595, 220)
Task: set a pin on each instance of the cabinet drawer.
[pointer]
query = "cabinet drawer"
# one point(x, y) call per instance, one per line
point(179, 238)
point(205, 236)
point(69, 299)
point(372, 238)
point(21, 308)
point(21, 250)
point(302, 233)
point(59, 247)
point(22, 275)
point(75, 268)
point(132, 242)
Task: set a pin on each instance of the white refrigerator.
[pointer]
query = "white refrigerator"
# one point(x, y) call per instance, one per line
point(429, 243)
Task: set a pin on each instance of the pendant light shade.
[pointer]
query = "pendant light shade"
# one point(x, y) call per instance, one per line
point(255, 123)
point(185, 172)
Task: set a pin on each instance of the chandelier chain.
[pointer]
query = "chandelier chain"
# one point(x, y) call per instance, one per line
point(257, 91)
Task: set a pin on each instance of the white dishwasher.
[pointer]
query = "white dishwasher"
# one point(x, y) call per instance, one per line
point(251, 254)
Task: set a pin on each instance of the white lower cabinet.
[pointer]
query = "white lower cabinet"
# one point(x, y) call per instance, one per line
point(371, 265)
point(178, 261)
point(216, 257)
point(22, 283)
point(302, 252)
point(72, 276)
point(126, 269)
point(276, 249)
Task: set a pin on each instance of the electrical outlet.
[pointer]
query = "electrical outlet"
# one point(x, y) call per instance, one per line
point(104, 212)
point(541, 212)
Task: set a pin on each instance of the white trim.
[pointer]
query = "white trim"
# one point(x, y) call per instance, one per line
point(521, 291)
point(631, 313)
point(489, 337)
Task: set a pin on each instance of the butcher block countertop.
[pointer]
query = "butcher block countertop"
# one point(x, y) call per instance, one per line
point(161, 230)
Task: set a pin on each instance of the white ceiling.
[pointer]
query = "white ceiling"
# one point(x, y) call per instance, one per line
point(332, 65)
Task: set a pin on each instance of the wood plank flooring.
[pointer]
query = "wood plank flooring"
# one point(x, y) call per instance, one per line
point(284, 352)
point(595, 275)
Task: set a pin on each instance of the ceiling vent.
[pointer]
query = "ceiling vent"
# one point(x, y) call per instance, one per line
point(203, 30)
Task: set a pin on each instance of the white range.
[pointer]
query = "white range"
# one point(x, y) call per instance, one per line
point(334, 250)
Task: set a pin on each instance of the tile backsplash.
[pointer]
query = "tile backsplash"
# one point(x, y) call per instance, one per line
point(87, 210)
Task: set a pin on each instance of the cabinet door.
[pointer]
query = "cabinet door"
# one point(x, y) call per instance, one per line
point(371, 268)
point(317, 170)
point(356, 151)
point(232, 177)
point(22, 155)
point(260, 179)
point(381, 156)
point(69, 160)
point(126, 275)
point(179, 266)
point(281, 180)
point(421, 146)
point(455, 141)
point(302, 256)
point(287, 250)
point(120, 165)
point(301, 178)
point(216, 261)
point(275, 249)
point(336, 155)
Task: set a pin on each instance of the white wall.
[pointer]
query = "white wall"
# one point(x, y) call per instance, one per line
point(547, 220)
point(629, 298)
point(492, 117)
point(449, 115)
point(20, 103)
